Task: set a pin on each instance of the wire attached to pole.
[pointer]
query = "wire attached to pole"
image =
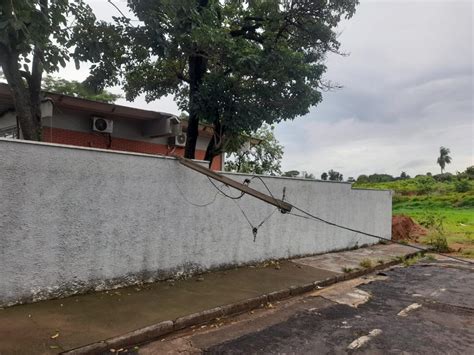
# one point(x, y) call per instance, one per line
point(319, 219)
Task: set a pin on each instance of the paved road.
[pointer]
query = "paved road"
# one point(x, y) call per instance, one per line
point(423, 309)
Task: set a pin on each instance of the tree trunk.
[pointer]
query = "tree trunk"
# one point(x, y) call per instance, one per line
point(209, 152)
point(30, 123)
point(214, 148)
point(197, 68)
point(25, 87)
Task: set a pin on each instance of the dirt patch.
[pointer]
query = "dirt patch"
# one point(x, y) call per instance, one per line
point(404, 228)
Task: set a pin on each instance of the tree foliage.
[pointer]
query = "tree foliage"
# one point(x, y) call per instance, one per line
point(444, 158)
point(263, 158)
point(324, 176)
point(335, 175)
point(77, 89)
point(35, 37)
point(291, 173)
point(235, 64)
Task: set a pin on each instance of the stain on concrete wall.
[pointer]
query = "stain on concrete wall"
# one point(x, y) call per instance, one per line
point(77, 219)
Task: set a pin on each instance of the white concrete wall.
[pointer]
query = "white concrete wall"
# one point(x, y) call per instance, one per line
point(77, 219)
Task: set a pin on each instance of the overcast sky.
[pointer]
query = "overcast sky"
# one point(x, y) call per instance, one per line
point(408, 89)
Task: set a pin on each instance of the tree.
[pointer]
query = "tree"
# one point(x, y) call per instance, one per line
point(444, 158)
point(363, 178)
point(307, 175)
point(262, 158)
point(77, 89)
point(324, 176)
point(291, 173)
point(335, 175)
point(34, 38)
point(469, 172)
point(380, 178)
point(350, 179)
point(235, 64)
point(404, 175)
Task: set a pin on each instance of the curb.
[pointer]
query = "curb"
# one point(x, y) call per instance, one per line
point(157, 330)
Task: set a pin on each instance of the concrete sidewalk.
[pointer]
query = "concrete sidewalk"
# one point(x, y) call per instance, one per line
point(59, 325)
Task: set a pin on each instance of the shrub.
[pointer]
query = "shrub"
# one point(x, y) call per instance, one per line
point(424, 184)
point(462, 185)
point(432, 221)
point(439, 243)
point(444, 177)
point(466, 201)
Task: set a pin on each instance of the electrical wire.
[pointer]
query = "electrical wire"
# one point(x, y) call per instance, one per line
point(223, 193)
point(313, 217)
point(310, 216)
point(319, 219)
point(235, 198)
point(185, 197)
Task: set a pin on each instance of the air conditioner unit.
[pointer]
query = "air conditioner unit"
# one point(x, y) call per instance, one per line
point(103, 125)
point(178, 140)
point(161, 127)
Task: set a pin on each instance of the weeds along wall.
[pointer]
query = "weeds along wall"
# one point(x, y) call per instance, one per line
point(75, 219)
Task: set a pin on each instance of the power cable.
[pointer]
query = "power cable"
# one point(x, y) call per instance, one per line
point(319, 219)
point(223, 193)
point(235, 198)
point(310, 216)
point(185, 197)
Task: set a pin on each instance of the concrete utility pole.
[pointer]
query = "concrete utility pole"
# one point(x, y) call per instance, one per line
point(282, 205)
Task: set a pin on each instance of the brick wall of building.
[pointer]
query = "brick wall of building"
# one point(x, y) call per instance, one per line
point(103, 141)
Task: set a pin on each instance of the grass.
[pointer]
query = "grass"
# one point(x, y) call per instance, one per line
point(366, 263)
point(456, 209)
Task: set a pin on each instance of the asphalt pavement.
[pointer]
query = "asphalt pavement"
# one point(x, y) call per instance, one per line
point(438, 319)
point(426, 308)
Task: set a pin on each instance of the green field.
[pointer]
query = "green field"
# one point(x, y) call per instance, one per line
point(422, 199)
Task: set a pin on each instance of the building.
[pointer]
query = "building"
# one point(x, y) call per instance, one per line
point(80, 122)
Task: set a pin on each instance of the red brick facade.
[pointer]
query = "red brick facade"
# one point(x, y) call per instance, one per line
point(98, 140)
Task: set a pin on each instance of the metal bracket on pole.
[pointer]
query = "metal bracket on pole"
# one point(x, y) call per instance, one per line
point(282, 205)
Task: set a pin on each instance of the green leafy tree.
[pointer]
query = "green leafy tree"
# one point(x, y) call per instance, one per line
point(466, 174)
point(363, 178)
point(235, 64)
point(404, 175)
point(380, 178)
point(291, 173)
point(470, 172)
point(263, 158)
point(77, 89)
point(324, 176)
point(34, 38)
point(335, 175)
point(444, 158)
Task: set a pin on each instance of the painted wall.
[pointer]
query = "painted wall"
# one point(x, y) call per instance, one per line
point(101, 141)
point(78, 219)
